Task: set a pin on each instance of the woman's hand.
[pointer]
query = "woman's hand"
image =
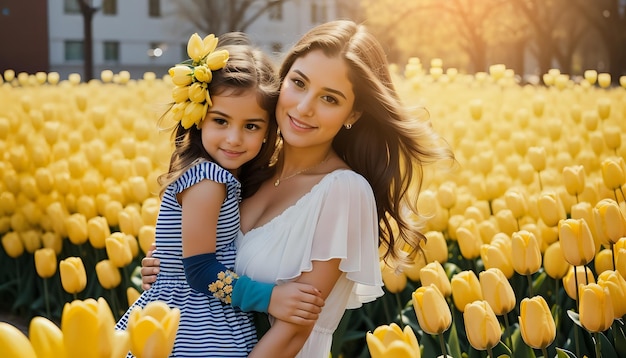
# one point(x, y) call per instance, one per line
point(149, 269)
point(296, 303)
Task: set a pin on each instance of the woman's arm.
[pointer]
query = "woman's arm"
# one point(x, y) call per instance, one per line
point(285, 339)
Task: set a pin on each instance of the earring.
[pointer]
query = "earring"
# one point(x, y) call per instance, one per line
point(348, 125)
point(264, 140)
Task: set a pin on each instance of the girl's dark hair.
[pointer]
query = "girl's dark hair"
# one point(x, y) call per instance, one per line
point(247, 69)
point(386, 145)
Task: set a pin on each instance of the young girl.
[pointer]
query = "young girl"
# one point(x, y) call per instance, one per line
point(225, 131)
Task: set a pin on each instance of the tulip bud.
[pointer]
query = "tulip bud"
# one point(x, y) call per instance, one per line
point(596, 308)
point(574, 179)
point(616, 286)
point(537, 158)
point(181, 75)
point(516, 202)
point(98, 230)
point(498, 254)
point(46, 338)
point(52, 240)
point(554, 262)
point(118, 249)
point(550, 208)
point(527, 258)
point(391, 341)
point(481, 325)
point(14, 343)
point(195, 48)
point(609, 221)
point(506, 221)
point(603, 261)
point(469, 240)
point(45, 262)
point(194, 113)
point(73, 275)
point(130, 220)
point(108, 275)
point(153, 329)
point(613, 137)
point(180, 94)
point(394, 280)
point(536, 323)
point(431, 309)
point(146, 237)
point(132, 295)
point(620, 262)
point(497, 291)
point(434, 274)
point(12, 244)
point(576, 272)
point(436, 247)
point(446, 195)
point(465, 289)
point(613, 172)
point(202, 74)
point(197, 92)
point(576, 241)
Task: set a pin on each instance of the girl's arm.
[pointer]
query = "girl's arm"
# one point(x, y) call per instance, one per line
point(285, 339)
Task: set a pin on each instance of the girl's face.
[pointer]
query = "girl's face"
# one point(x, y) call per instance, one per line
point(234, 128)
point(315, 100)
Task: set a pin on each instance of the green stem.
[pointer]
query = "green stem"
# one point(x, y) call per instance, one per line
point(530, 285)
point(508, 336)
point(442, 343)
point(399, 305)
point(612, 255)
point(490, 352)
point(544, 351)
point(540, 183)
point(598, 344)
point(46, 298)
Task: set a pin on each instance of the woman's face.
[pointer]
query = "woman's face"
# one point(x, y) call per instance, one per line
point(234, 128)
point(316, 100)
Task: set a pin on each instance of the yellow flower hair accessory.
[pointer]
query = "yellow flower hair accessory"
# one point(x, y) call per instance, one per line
point(192, 77)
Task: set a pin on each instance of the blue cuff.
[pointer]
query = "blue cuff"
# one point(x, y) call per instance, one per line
point(251, 295)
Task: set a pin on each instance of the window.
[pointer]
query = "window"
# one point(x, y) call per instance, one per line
point(111, 51)
point(109, 7)
point(154, 8)
point(275, 10)
point(71, 7)
point(74, 50)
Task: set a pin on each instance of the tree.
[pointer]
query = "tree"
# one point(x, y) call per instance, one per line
point(220, 16)
point(608, 17)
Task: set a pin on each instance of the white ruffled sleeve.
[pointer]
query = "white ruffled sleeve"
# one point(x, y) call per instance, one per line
point(347, 228)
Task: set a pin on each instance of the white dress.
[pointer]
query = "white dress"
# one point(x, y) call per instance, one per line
point(336, 219)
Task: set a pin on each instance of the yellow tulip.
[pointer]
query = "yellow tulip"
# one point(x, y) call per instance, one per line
point(433, 273)
point(394, 280)
point(616, 285)
point(465, 289)
point(202, 73)
point(130, 220)
point(108, 275)
point(613, 172)
point(132, 295)
point(146, 237)
point(506, 221)
point(603, 261)
point(596, 308)
point(217, 59)
point(609, 221)
point(46, 338)
point(431, 309)
point(181, 75)
point(98, 230)
point(584, 210)
point(31, 240)
point(497, 291)
point(537, 158)
point(118, 249)
point(516, 202)
point(73, 275)
point(89, 329)
point(14, 343)
point(498, 254)
point(554, 262)
point(412, 269)
point(391, 341)
point(180, 94)
point(469, 240)
point(194, 113)
point(620, 262)
point(536, 323)
point(138, 188)
point(582, 273)
point(576, 241)
point(195, 48)
point(574, 179)
point(527, 258)
point(436, 247)
point(12, 244)
point(446, 195)
point(53, 241)
point(76, 226)
point(197, 92)
point(45, 262)
point(153, 329)
point(551, 209)
point(481, 325)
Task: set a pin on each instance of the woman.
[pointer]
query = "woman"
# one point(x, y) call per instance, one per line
point(350, 167)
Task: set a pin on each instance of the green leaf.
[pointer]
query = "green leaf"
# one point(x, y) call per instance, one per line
point(619, 338)
point(575, 317)
point(562, 353)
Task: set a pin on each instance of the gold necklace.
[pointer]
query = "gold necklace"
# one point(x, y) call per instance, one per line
point(279, 180)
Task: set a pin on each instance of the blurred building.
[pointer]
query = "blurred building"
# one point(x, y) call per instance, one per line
point(137, 36)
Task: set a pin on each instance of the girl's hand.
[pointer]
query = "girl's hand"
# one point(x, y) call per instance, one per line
point(296, 303)
point(149, 269)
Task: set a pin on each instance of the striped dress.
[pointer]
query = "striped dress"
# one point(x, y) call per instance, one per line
point(208, 327)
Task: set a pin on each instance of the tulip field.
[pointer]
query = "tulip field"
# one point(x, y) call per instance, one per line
point(526, 249)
